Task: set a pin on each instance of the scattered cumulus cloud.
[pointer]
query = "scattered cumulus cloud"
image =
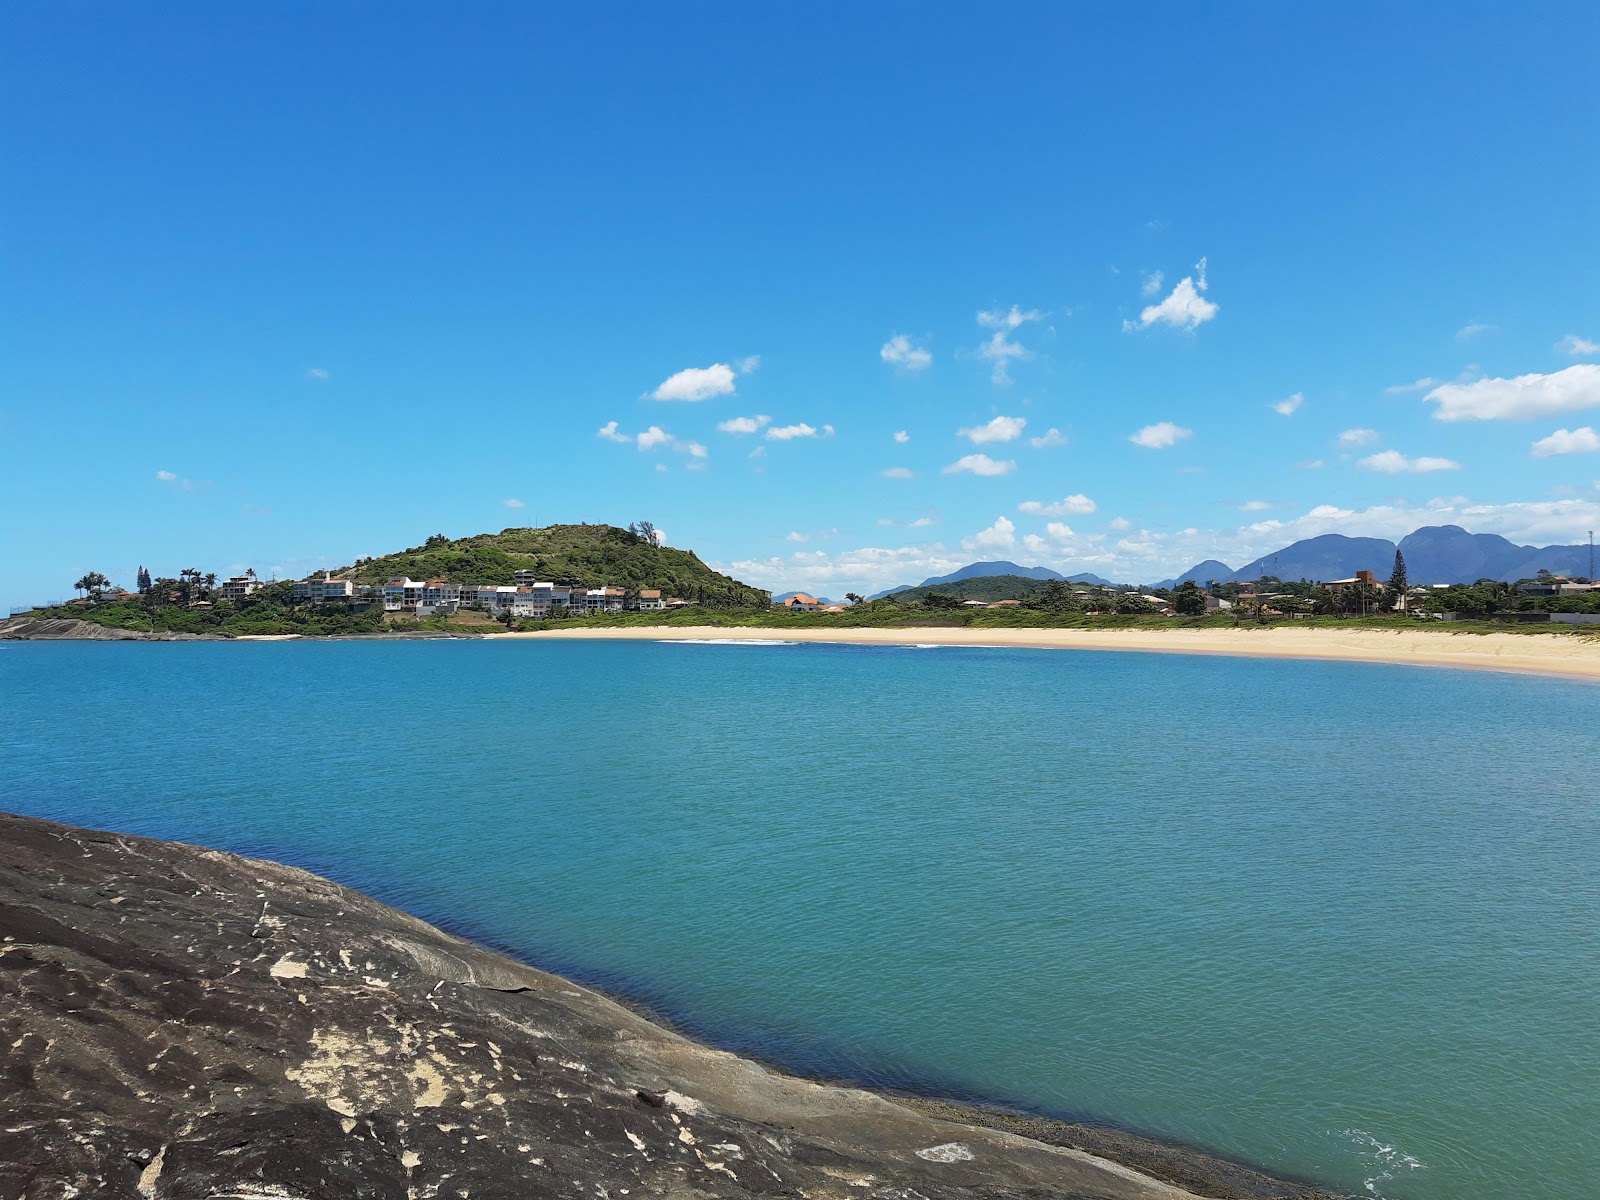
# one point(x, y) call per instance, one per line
point(1185, 308)
point(788, 433)
point(318, 373)
point(173, 480)
point(1254, 506)
point(1152, 283)
point(1119, 523)
point(1077, 505)
point(1474, 330)
point(1352, 438)
point(750, 364)
point(1050, 437)
point(1578, 347)
point(898, 473)
point(914, 523)
point(902, 436)
point(1392, 462)
point(1567, 441)
point(999, 318)
point(1160, 435)
point(653, 437)
point(698, 383)
point(611, 433)
point(1001, 350)
point(744, 424)
point(1288, 407)
point(901, 352)
point(980, 464)
point(513, 502)
point(1001, 429)
point(817, 536)
point(1311, 464)
point(1002, 535)
point(1569, 390)
point(1418, 385)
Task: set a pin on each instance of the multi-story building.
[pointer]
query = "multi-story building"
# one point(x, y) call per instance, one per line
point(237, 587)
point(326, 590)
point(650, 600)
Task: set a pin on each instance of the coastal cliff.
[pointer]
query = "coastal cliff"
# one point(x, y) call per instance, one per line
point(180, 1022)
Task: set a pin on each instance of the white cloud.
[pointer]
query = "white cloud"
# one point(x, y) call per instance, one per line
point(1002, 535)
point(999, 318)
point(1567, 441)
point(819, 535)
point(1476, 329)
point(611, 433)
point(514, 503)
point(693, 449)
point(1000, 350)
point(1568, 390)
point(787, 433)
point(916, 523)
point(758, 452)
point(182, 483)
point(1160, 435)
point(1290, 406)
point(898, 473)
point(902, 436)
point(1578, 347)
point(1352, 438)
point(980, 464)
point(653, 437)
point(1075, 506)
point(1152, 283)
point(1392, 462)
point(1001, 429)
point(1185, 308)
point(1419, 385)
point(1059, 530)
point(1254, 506)
point(901, 352)
point(1050, 437)
point(1119, 523)
point(744, 424)
point(1311, 464)
point(318, 373)
point(697, 383)
point(661, 466)
point(750, 364)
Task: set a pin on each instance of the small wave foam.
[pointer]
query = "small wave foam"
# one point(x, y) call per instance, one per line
point(1381, 1161)
point(726, 642)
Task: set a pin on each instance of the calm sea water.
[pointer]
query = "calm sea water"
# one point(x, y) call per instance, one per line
point(1339, 920)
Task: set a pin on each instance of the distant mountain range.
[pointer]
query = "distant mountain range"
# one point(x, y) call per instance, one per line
point(1434, 554)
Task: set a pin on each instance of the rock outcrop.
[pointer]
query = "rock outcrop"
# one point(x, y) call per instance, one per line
point(67, 629)
point(183, 1023)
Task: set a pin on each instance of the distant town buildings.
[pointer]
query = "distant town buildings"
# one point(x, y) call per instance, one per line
point(528, 599)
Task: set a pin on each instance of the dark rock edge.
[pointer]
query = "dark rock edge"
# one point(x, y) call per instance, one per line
point(180, 1022)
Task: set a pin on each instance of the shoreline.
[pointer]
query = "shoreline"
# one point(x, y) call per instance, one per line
point(1570, 658)
point(497, 1048)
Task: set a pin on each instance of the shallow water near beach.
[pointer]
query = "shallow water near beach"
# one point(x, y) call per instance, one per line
point(1338, 920)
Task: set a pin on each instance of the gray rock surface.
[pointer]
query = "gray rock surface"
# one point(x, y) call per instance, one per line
point(65, 629)
point(182, 1023)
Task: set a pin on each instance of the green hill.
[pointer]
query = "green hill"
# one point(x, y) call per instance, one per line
point(987, 588)
point(587, 555)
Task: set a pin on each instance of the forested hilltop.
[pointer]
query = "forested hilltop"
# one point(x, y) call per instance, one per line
point(587, 555)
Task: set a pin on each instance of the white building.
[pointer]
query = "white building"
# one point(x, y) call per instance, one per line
point(237, 587)
point(323, 591)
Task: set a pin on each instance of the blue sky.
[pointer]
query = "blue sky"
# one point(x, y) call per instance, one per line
point(285, 285)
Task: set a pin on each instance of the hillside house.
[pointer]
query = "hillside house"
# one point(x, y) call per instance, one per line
point(649, 600)
point(237, 587)
point(800, 602)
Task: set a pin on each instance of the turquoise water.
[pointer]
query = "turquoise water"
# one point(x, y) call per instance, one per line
point(1339, 920)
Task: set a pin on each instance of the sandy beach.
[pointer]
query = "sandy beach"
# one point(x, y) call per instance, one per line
point(1545, 655)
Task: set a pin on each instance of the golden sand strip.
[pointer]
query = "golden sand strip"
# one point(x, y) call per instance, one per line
point(1547, 654)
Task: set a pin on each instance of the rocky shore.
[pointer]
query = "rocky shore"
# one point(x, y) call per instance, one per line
point(65, 629)
point(179, 1022)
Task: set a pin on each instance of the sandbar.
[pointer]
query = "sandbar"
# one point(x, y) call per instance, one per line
point(1545, 654)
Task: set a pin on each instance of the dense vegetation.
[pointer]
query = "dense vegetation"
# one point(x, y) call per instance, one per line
point(586, 555)
point(987, 588)
point(264, 612)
